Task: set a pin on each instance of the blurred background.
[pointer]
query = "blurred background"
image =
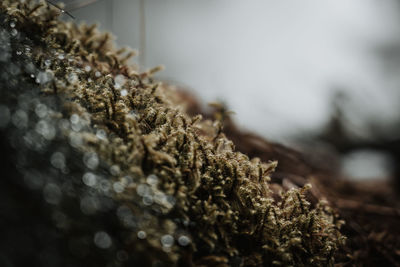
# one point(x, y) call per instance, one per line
point(303, 73)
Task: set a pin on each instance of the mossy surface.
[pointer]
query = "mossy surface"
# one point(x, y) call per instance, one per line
point(180, 191)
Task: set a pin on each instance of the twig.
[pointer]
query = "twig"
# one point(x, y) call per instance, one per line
point(62, 10)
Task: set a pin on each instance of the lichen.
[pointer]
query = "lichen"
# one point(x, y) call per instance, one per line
point(184, 194)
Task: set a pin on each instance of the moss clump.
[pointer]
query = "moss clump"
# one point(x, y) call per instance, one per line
point(184, 195)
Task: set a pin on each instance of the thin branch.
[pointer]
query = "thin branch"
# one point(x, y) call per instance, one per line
point(62, 10)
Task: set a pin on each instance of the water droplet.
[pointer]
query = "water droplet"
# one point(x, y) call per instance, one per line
point(74, 118)
point(124, 92)
point(52, 194)
point(63, 124)
point(75, 139)
point(105, 186)
point(45, 129)
point(89, 179)
point(143, 190)
point(120, 79)
point(141, 234)
point(160, 198)
point(147, 200)
point(47, 62)
point(20, 119)
point(41, 110)
point(152, 179)
point(58, 160)
point(91, 160)
point(101, 134)
point(183, 240)
point(115, 170)
point(102, 240)
point(167, 241)
point(88, 68)
point(14, 32)
point(72, 78)
point(126, 180)
point(12, 24)
point(76, 122)
point(97, 74)
point(118, 187)
point(61, 57)
point(19, 52)
point(44, 77)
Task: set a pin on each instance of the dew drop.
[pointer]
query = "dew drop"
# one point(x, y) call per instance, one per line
point(115, 170)
point(89, 179)
point(14, 32)
point(41, 110)
point(74, 118)
point(105, 186)
point(143, 190)
point(141, 234)
point(20, 119)
point(118, 187)
point(102, 240)
point(45, 129)
point(101, 134)
point(75, 139)
point(167, 241)
point(152, 179)
point(120, 79)
point(124, 92)
point(58, 160)
point(183, 240)
point(72, 78)
point(147, 200)
point(44, 77)
point(91, 160)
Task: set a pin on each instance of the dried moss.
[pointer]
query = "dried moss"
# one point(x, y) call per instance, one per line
point(185, 178)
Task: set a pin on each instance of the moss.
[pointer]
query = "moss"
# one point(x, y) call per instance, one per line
point(179, 175)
